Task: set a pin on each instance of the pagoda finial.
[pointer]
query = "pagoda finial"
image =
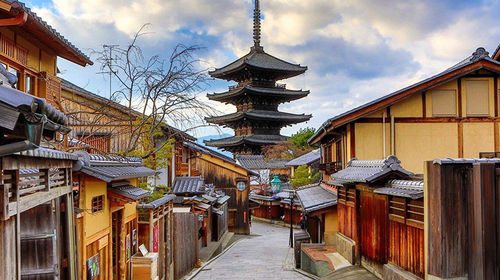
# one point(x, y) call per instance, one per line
point(256, 26)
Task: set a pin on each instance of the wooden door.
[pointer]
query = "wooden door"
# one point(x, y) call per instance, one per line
point(374, 226)
point(115, 236)
point(39, 252)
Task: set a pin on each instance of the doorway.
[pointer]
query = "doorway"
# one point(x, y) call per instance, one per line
point(116, 228)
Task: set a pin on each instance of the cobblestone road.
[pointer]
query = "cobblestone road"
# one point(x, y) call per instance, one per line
point(264, 255)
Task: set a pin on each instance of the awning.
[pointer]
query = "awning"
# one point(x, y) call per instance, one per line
point(128, 191)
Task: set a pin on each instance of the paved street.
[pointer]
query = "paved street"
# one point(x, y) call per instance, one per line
point(263, 255)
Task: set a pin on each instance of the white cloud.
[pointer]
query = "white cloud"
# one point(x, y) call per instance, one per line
point(355, 50)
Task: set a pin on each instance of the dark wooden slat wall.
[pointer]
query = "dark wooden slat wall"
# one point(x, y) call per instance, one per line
point(463, 223)
point(185, 243)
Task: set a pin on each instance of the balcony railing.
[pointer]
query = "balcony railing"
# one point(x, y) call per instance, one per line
point(330, 167)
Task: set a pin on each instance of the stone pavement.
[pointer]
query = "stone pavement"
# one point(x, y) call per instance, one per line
point(263, 255)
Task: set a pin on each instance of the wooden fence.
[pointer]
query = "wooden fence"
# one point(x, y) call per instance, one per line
point(219, 223)
point(186, 226)
point(463, 224)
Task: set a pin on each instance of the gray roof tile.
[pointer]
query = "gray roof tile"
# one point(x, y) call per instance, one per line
point(157, 203)
point(128, 191)
point(314, 197)
point(306, 159)
point(258, 162)
point(403, 188)
point(250, 139)
point(188, 185)
point(369, 171)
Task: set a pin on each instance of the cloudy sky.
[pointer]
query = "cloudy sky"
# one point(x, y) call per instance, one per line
point(355, 50)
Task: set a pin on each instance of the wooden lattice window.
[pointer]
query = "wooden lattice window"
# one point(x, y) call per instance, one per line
point(97, 203)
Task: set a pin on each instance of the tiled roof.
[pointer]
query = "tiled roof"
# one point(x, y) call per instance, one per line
point(258, 115)
point(277, 92)
point(48, 153)
point(157, 203)
point(260, 60)
point(314, 197)
point(223, 199)
point(56, 36)
point(403, 188)
point(111, 168)
point(478, 55)
point(258, 162)
point(249, 139)
point(30, 104)
point(128, 191)
point(368, 171)
point(308, 158)
point(262, 197)
point(188, 185)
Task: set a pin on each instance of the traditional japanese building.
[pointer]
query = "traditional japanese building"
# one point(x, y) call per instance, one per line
point(257, 121)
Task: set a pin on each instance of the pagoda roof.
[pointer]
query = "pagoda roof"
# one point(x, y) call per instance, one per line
point(275, 116)
point(277, 92)
point(260, 60)
point(247, 139)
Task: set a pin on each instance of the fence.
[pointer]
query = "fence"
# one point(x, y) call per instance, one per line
point(186, 227)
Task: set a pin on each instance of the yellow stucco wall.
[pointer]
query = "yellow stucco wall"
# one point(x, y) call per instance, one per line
point(372, 147)
point(418, 142)
point(48, 63)
point(331, 226)
point(478, 137)
point(377, 114)
point(410, 107)
point(130, 209)
point(95, 222)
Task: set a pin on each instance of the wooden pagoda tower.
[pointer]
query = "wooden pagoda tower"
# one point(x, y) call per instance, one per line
point(257, 121)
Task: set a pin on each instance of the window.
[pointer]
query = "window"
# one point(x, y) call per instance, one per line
point(444, 103)
point(477, 98)
point(29, 84)
point(97, 203)
point(15, 72)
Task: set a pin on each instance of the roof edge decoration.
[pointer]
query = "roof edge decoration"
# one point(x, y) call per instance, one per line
point(275, 116)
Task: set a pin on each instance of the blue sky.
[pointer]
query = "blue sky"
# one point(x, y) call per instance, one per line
point(355, 50)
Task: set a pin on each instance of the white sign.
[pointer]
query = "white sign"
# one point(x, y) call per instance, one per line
point(241, 186)
point(143, 250)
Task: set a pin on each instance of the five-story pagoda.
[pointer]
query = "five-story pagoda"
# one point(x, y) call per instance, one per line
point(257, 121)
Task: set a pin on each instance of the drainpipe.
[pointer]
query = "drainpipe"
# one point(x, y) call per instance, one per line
point(384, 115)
point(19, 20)
point(393, 136)
point(16, 147)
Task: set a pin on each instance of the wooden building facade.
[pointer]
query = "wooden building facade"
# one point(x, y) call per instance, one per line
point(106, 214)
point(155, 221)
point(376, 226)
point(452, 114)
point(227, 176)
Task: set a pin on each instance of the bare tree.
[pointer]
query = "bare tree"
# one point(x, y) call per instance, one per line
point(154, 90)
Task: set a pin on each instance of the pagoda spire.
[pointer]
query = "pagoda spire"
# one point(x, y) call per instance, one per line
point(256, 26)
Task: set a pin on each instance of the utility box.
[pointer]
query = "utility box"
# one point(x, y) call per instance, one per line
point(145, 267)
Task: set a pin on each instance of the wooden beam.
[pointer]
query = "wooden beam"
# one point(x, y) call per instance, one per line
point(29, 201)
point(459, 96)
point(495, 93)
point(353, 141)
point(460, 140)
point(495, 136)
point(424, 105)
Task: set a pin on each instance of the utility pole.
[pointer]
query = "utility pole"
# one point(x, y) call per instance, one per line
point(109, 63)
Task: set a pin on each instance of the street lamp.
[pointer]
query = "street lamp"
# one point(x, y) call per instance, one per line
point(291, 195)
point(276, 184)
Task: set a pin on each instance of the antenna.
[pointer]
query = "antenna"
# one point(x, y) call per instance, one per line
point(109, 63)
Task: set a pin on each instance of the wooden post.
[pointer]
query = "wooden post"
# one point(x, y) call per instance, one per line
point(482, 234)
point(447, 208)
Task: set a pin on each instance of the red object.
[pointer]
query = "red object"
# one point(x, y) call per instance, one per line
point(155, 238)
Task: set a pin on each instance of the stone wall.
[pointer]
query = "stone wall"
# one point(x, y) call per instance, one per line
point(345, 247)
